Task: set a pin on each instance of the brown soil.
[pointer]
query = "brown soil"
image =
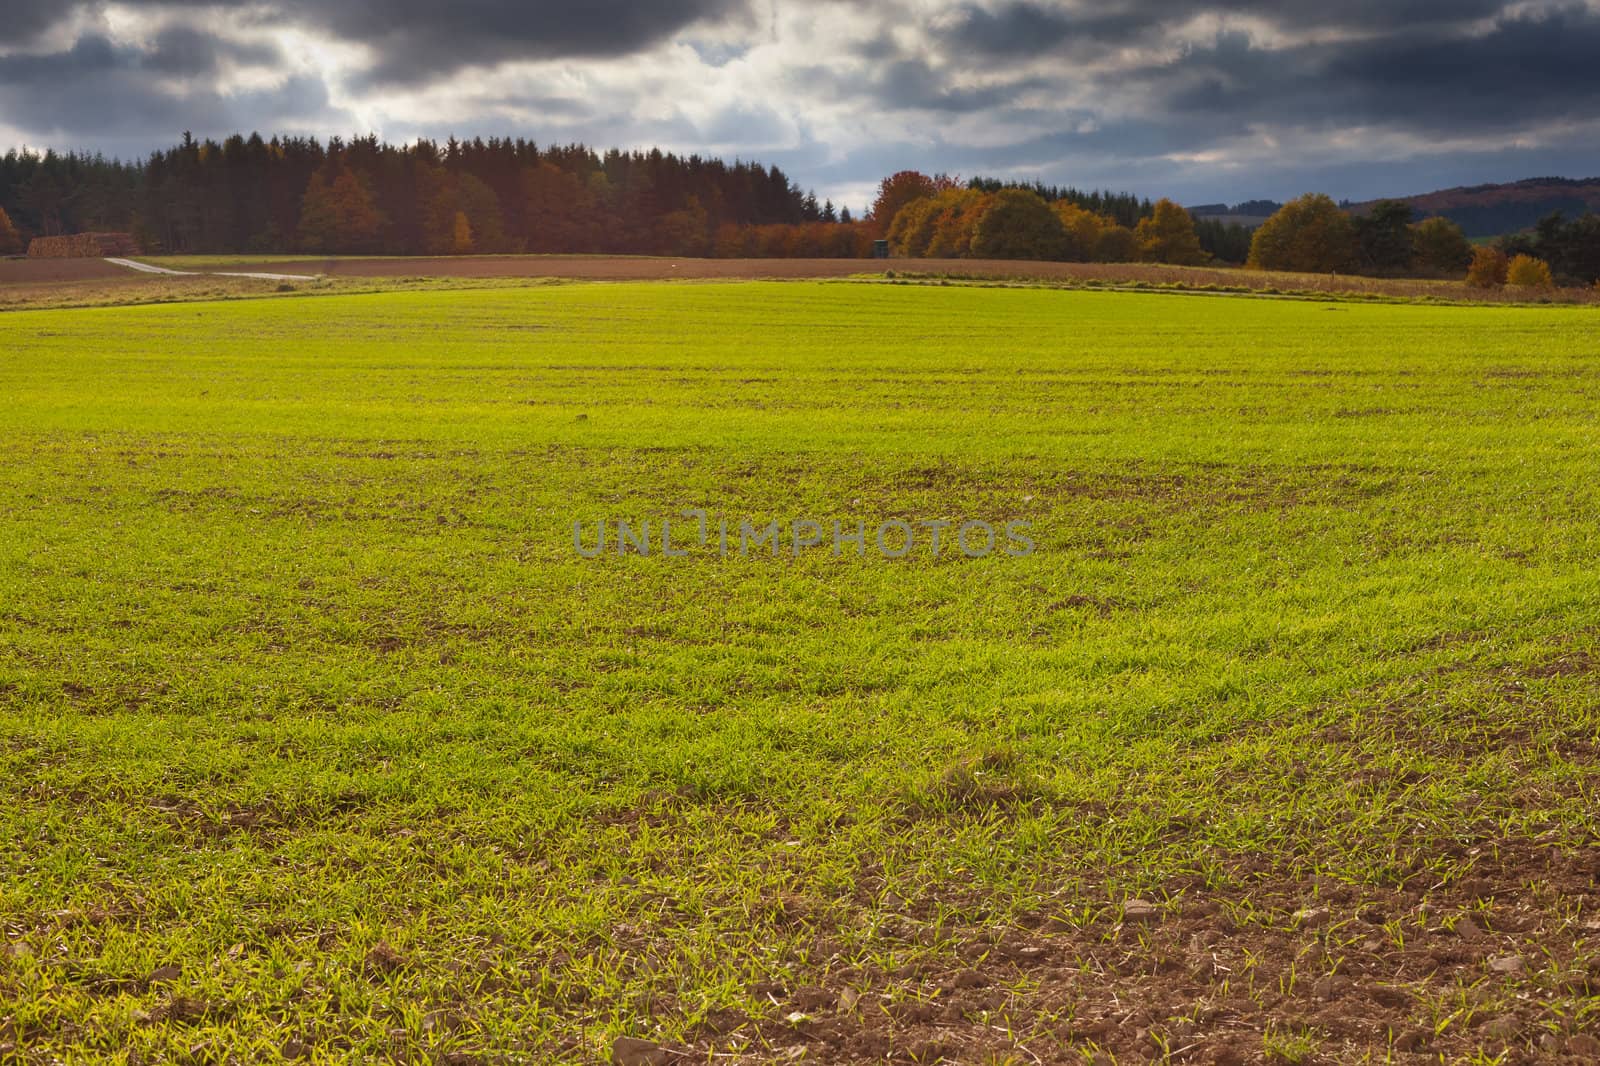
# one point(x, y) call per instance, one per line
point(1496, 963)
point(55, 271)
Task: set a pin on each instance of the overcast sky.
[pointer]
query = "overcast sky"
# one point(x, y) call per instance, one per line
point(1203, 102)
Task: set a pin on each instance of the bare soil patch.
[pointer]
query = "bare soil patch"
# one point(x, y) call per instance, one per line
point(56, 271)
point(1492, 964)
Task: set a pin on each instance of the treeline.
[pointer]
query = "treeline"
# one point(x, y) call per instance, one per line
point(939, 218)
point(1125, 209)
point(249, 194)
point(1313, 234)
point(363, 196)
point(1571, 248)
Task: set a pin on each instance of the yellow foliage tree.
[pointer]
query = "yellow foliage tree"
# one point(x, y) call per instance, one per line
point(939, 226)
point(461, 235)
point(1168, 236)
point(1527, 272)
point(1094, 238)
point(1083, 228)
point(1118, 244)
point(912, 228)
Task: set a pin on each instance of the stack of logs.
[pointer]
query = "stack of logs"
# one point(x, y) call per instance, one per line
point(83, 246)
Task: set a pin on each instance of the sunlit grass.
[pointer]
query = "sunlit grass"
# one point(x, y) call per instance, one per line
point(315, 732)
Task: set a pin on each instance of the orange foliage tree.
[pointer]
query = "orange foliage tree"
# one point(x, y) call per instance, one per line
point(461, 236)
point(805, 240)
point(337, 214)
point(902, 188)
point(10, 239)
point(1489, 268)
point(940, 226)
point(1092, 238)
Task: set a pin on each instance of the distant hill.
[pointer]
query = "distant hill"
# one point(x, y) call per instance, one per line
point(1492, 210)
point(1249, 214)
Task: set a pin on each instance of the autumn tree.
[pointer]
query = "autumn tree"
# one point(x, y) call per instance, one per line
point(1017, 224)
point(955, 223)
point(461, 241)
point(436, 208)
point(902, 188)
point(1489, 268)
point(940, 226)
point(1310, 235)
point(338, 216)
point(558, 210)
point(443, 197)
point(686, 231)
point(1117, 244)
point(481, 205)
point(1529, 273)
point(10, 239)
point(1082, 228)
point(1441, 248)
point(1168, 236)
point(912, 228)
point(1092, 237)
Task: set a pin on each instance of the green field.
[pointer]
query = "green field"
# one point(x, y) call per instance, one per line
point(319, 739)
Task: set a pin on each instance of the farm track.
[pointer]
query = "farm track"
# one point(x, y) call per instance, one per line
point(146, 268)
point(21, 273)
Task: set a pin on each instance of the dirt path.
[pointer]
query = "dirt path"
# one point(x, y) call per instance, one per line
point(133, 264)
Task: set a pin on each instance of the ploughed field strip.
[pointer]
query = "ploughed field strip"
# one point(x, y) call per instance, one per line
point(318, 739)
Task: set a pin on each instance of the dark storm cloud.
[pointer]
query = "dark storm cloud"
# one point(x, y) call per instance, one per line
point(24, 20)
point(1020, 28)
point(121, 99)
point(1526, 69)
point(912, 84)
point(1413, 65)
point(1028, 29)
point(421, 39)
point(1068, 90)
point(418, 40)
point(176, 51)
point(907, 83)
point(183, 51)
